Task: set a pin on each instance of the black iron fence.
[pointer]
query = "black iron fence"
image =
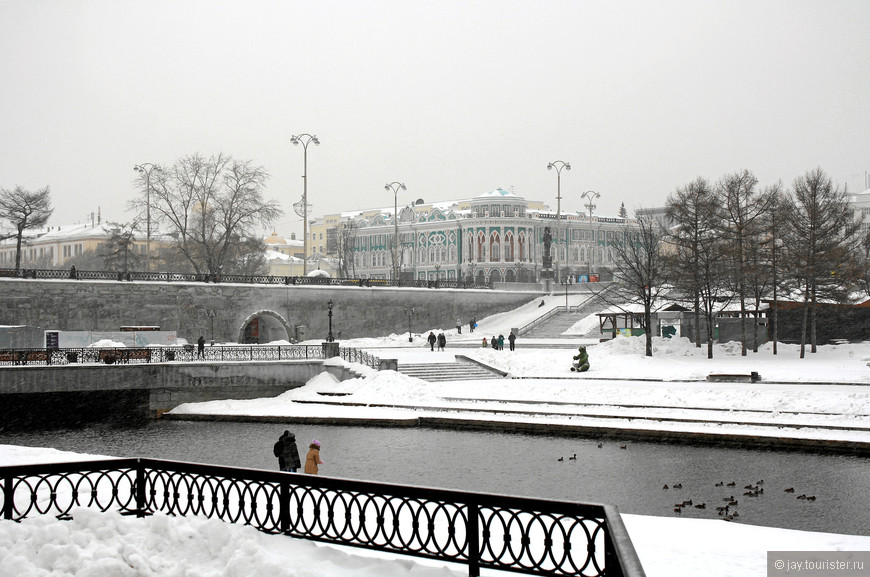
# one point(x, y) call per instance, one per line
point(529, 536)
point(33, 273)
point(182, 353)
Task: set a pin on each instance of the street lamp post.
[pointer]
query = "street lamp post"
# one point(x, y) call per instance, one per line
point(590, 195)
point(146, 168)
point(329, 337)
point(304, 139)
point(395, 187)
point(558, 165)
point(211, 314)
point(409, 313)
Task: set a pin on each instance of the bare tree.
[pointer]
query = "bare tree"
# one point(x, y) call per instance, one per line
point(824, 246)
point(694, 212)
point(120, 249)
point(345, 250)
point(638, 269)
point(208, 207)
point(743, 208)
point(24, 210)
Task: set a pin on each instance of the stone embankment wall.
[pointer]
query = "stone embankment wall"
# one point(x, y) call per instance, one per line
point(221, 311)
point(97, 392)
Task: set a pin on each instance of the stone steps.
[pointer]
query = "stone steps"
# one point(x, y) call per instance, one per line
point(434, 372)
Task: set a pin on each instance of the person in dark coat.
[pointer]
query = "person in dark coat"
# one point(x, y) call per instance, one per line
point(278, 451)
point(291, 453)
point(472, 324)
point(442, 341)
point(501, 342)
point(200, 346)
point(494, 342)
point(511, 339)
point(432, 338)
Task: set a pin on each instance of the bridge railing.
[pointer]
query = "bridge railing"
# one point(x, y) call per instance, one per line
point(181, 353)
point(522, 535)
point(33, 273)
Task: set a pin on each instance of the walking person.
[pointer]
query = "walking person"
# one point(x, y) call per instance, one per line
point(312, 459)
point(200, 347)
point(494, 342)
point(458, 327)
point(278, 451)
point(442, 341)
point(501, 342)
point(472, 324)
point(291, 453)
point(485, 344)
point(432, 338)
point(511, 339)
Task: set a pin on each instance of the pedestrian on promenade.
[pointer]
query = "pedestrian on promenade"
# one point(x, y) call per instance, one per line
point(458, 327)
point(291, 453)
point(278, 451)
point(511, 339)
point(442, 341)
point(472, 324)
point(312, 459)
point(200, 347)
point(501, 342)
point(485, 344)
point(494, 342)
point(432, 338)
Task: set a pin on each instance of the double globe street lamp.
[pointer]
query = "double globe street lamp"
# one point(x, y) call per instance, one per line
point(395, 187)
point(558, 165)
point(304, 139)
point(146, 168)
point(590, 195)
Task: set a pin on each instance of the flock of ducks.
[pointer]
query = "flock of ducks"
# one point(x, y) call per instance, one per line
point(574, 457)
point(728, 511)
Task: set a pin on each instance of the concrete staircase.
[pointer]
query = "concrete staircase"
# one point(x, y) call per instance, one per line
point(434, 372)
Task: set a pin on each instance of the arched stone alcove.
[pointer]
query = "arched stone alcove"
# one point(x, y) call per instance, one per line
point(264, 326)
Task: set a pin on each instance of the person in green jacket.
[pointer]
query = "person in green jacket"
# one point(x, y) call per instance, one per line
point(581, 360)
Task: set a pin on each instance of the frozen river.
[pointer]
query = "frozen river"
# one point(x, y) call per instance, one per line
point(631, 478)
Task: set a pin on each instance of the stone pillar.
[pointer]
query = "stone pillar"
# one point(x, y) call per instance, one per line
point(330, 349)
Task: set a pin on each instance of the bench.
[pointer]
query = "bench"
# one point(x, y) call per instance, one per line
point(752, 377)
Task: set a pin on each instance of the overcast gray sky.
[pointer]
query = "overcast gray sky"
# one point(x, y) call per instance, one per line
point(453, 98)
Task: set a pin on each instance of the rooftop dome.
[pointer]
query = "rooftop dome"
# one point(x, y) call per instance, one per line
point(499, 193)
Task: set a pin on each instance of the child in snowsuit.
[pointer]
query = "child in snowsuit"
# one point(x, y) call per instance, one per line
point(312, 459)
point(581, 361)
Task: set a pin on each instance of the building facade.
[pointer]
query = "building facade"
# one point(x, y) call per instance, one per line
point(496, 237)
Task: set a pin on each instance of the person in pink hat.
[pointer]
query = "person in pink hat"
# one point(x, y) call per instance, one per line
point(312, 460)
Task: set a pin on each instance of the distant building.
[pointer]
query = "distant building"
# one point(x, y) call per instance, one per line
point(495, 237)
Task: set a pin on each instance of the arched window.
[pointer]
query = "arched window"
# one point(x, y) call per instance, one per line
point(422, 255)
point(481, 247)
point(522, 242)
point(509, 247)
point(494, 247)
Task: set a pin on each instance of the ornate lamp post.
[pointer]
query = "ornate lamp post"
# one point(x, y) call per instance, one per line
point(409, 313)
point(590, 195)
point(211, 314)
point(146, 168)
point(329, 337)
point(558, 165)
point(395, 187)
point(304, 139)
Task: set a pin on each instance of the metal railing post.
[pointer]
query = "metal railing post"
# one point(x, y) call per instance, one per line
point(284, 506)
point(472, 536)
point(8, 496)
point(140, 488)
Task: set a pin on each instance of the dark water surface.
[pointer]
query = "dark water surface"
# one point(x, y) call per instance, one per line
point(519, 464)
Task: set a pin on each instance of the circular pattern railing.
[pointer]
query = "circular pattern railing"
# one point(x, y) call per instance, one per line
point(530, 536)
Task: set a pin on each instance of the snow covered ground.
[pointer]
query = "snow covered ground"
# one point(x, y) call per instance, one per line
point(824, 396)
point(97, 544)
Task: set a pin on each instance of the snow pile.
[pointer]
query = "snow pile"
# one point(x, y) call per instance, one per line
point(97, 544)
point(107, 344)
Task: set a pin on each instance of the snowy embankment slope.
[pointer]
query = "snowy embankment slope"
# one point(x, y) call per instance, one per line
point(107, 544)
point(824, 397)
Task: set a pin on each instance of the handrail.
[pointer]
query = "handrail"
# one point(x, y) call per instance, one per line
point(73, 274)
point(178, 353)
point(518, 534)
